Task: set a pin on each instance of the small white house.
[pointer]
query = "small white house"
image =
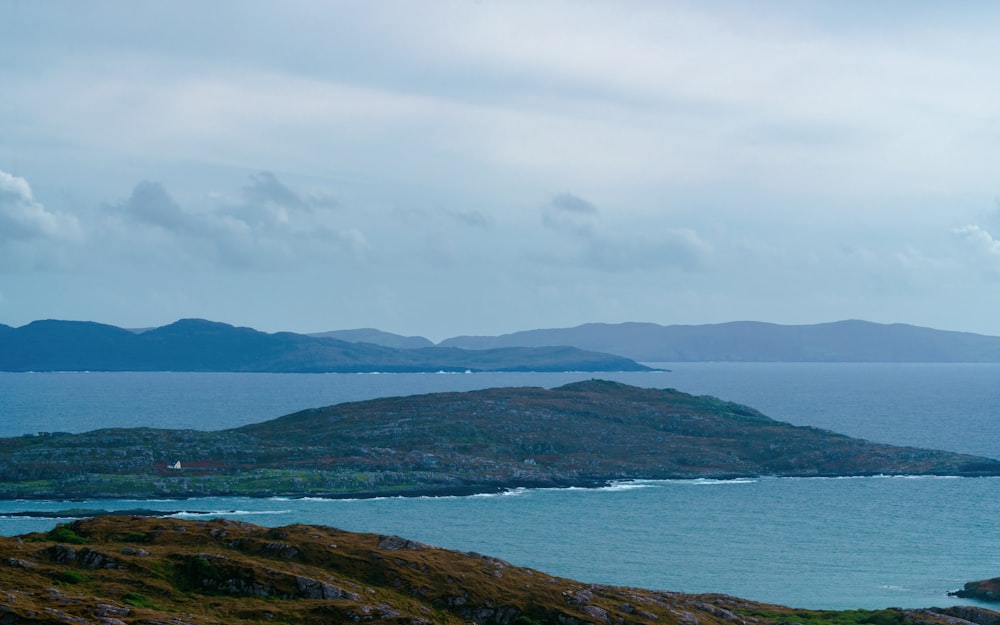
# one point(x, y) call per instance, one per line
point(176, 465)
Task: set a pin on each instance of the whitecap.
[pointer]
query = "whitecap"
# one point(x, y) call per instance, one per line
point(217, 513)
point(706, 481)
point(630, 485)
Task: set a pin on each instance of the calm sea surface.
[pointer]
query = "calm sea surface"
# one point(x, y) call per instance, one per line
point(820, 543)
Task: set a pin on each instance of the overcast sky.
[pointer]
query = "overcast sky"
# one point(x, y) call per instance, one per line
point(480, 167)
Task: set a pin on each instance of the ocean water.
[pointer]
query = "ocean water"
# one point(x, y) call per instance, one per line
point(817, 543)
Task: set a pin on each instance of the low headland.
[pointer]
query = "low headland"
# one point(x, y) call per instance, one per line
point(981, 590)
point(582, 434)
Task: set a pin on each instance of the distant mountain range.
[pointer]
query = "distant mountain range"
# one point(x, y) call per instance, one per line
point(199, 345)
point(377, 337)
point(841, 341)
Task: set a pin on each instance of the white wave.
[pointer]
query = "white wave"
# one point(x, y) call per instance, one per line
point(629, 485)
point(705, 481)
point(178, 515)
point(880, 476)
point(700, 481)
point(512, 492)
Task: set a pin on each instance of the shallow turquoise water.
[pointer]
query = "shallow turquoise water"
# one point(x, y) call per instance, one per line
point(819, 543)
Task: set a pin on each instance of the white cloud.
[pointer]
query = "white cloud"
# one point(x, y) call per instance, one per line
point(982, 246)
point(33, 237)
point(643, 248)
point(658, 95)
point(569, 213)
point(638, 96)
point(679, 248)
point(472, 218)
point(726, 86)
point(750, 155)
point(22, 218)
point(264, 226)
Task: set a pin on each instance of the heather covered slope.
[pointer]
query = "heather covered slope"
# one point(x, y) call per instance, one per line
point(115, 570)
point(579, 434)
point(601, 430)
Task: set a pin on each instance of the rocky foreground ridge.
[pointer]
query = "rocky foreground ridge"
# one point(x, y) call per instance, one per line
point(584, 433)
point(122, 570)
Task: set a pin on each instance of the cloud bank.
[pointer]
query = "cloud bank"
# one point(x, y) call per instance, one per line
point(640, 249)
point(23, 219)
point(482, 167)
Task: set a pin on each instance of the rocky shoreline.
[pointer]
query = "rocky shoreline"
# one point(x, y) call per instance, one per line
point(982, 590)
point(417, 492)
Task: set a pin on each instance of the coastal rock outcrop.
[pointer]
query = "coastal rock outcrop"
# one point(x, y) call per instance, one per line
point(983, 590)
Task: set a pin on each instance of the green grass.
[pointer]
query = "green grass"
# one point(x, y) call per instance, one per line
point(71, 577)
point(829, 617)
point(63, 534)
point(138, 600)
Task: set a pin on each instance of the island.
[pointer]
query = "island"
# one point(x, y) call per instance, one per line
point(850, 340)
point(586, 433)
point(118, 570)
point(201, 345)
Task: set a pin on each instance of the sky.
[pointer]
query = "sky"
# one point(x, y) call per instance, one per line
point(443, 168)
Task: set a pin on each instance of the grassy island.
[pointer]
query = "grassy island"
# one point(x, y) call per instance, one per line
point(585, 433)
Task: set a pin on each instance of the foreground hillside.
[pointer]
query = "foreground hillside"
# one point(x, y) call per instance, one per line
point(579, 434)
point(115, 570)
point(753, 341)
point(199, 345)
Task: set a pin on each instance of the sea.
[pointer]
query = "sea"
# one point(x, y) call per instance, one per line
point(820, 543)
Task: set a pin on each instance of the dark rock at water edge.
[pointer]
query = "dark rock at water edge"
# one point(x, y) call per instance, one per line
point(983, 590)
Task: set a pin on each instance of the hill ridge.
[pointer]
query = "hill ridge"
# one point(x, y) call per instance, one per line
point(850, 340)
point(201, 345)
point(582, 434)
